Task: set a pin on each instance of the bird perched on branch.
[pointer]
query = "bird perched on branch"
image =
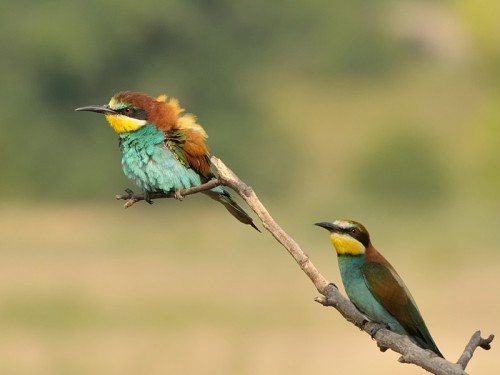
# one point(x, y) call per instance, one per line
point(163, 148)
point(374, 286)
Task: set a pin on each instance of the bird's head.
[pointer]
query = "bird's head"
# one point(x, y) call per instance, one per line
point(348, 237)
point(129, 111)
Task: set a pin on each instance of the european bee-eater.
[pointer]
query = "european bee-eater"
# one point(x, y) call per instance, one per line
point(163, 148)
point(374, 286)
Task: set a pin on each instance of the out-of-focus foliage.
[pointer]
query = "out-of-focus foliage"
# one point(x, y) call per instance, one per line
point(206, 53)
point(234, 64)
point(296, 97)
point(386, 174)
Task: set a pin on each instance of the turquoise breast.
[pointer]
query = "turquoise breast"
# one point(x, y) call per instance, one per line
point(360, 295)
point(151, 165)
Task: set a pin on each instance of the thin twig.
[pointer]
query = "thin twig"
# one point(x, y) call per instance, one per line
point(475, 341)
point(228, 178)
point(132, 198)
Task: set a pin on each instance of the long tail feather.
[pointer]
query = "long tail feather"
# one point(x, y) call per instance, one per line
point(233, 207)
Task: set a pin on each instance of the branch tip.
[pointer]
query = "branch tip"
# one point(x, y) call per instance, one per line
point(321, 300)
point(486, 343)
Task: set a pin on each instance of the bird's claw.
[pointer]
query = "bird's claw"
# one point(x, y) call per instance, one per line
point(376, 328)
point(178, 195)
point(147, 197)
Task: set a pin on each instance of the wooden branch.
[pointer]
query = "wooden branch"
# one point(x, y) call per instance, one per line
point(330, 295)
point(131, 197)
point(475, 341)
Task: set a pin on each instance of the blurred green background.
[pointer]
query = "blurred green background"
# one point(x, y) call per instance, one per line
point(385, 112)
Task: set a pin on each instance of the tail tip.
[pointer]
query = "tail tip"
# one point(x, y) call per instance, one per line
point(255, 227)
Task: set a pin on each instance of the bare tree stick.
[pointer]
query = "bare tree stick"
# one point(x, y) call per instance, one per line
point(131, 197)
point(475, 341)
point(228, 178)
point(410, 353)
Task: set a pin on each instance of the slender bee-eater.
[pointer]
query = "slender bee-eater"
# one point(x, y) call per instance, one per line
point(163, 148)
point(374, 286)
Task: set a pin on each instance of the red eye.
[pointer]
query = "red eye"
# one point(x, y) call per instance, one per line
point(127, 111)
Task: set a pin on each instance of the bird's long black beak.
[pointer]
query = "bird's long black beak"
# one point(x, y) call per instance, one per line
point(98, 108)
point(328, 226)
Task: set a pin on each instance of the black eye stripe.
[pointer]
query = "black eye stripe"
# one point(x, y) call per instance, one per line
point(137, 113)
point(127, 111)
point(358, 234)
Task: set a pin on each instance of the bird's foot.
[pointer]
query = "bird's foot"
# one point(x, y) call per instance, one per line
point(376, 328)
point(178, 195)
point(362, 325)
point(147, 197)
point(373, 331)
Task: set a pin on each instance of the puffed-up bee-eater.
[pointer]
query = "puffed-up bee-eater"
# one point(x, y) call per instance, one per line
point(374, 286)
point(163, 147)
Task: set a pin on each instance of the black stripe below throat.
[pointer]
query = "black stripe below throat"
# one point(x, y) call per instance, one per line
point(350, 255)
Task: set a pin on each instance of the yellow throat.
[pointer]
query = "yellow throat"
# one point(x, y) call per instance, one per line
point(346, 245)
point(124, 124)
